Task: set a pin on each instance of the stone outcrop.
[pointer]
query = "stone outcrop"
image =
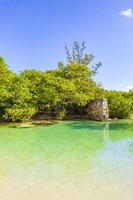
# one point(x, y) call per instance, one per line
point(98, 110)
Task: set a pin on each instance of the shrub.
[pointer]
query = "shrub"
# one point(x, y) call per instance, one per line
point(19, 114)
point(119, 106)
point(61, 114)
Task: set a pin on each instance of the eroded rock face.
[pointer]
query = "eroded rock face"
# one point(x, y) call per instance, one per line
point(98, 110)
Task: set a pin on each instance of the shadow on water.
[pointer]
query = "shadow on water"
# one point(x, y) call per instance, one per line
point(92, 125)
point(113, 130)
point(123, 125)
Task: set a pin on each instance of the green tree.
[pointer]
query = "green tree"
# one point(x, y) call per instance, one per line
point(19, 107)
point(119, 106)
point(78, 55)
point(6, 76)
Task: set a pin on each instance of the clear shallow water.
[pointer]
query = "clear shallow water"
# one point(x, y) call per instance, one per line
point(72, 160)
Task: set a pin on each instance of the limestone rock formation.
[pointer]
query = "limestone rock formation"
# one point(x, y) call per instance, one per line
point(98, 110)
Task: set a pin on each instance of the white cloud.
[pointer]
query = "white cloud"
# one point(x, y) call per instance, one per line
point(129, 88)
point(127, 13)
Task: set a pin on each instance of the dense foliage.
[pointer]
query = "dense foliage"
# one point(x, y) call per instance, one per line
point(64, 90)
point(120, 104)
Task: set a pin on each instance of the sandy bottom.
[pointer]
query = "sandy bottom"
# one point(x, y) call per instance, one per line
point(65, 189)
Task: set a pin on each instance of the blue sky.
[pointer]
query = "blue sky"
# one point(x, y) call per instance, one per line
point(33, 34)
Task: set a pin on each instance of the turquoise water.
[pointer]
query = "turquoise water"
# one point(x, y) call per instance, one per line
point(69, 160)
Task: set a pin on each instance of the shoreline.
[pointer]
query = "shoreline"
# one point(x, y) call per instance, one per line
point(34, 123)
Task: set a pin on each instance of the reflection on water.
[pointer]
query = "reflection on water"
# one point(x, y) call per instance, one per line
point(67, 161)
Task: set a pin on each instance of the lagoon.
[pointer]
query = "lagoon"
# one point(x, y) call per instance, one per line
point(68, 160)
